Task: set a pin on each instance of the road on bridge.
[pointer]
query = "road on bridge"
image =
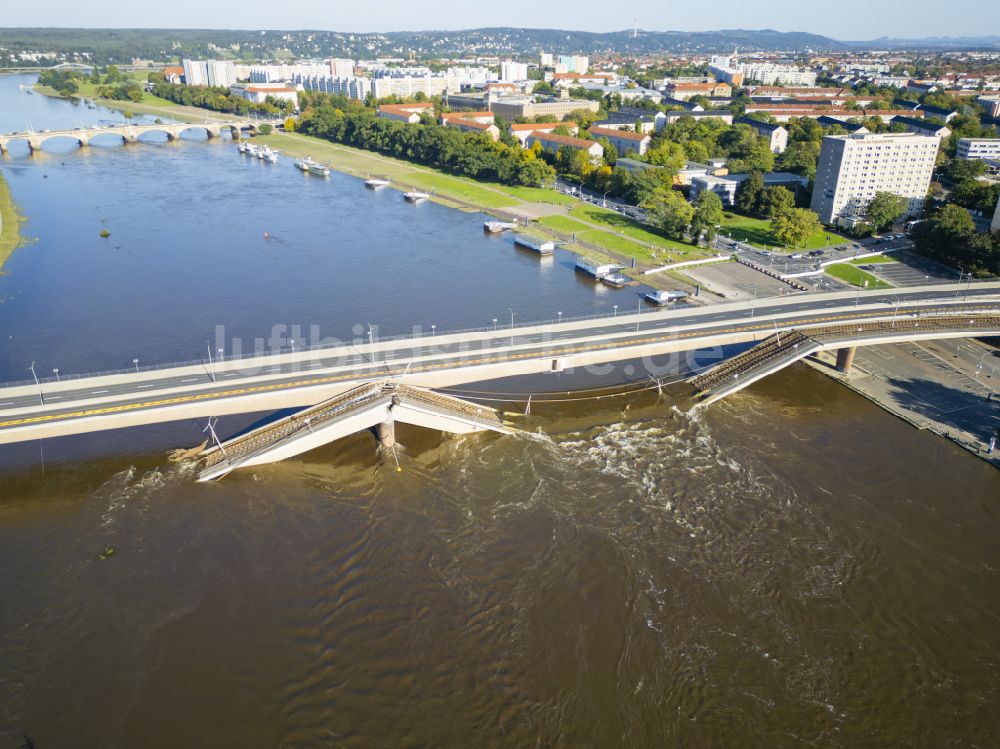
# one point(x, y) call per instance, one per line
point(311, 375)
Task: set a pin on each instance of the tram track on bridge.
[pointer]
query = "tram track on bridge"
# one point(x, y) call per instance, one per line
point(408, 368)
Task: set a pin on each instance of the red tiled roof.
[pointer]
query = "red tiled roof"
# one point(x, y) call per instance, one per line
point(405, 108)
point(529, 126)
point(566, 140)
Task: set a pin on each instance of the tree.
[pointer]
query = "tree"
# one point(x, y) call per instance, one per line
point(775, 200)
point(707, 214)
point(884, 209)
point(669, 155)
point(668, 210)
point(748, 193)
point(794, 227)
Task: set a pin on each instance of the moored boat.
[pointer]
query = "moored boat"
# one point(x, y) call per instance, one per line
point(376, 182)
point(415, 196)
point(312, 167)
point(541, 246)
point(662, 297)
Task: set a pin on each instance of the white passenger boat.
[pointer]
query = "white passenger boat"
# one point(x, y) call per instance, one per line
point(414, 196)
point(376, 182)
point(312, 167)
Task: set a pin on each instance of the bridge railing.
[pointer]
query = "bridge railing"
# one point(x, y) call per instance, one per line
point(501, 332)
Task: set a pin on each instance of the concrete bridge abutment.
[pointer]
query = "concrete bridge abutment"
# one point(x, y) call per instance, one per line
point(845, 359)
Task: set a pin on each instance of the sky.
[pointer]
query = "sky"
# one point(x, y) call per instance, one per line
point(844, 19)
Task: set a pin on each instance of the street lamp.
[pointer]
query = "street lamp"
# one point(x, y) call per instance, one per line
point(560, 315)
point(494, 324)
point(753, 304)
point(56, 373)
point(40, 396)
point(136, 363)
point(511, 325)
point(433, 329)
point(616, 310)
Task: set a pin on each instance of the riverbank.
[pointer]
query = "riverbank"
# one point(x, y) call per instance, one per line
point(10, 223)
point(592, 231)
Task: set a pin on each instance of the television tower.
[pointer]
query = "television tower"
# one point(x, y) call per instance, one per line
point(635, 32)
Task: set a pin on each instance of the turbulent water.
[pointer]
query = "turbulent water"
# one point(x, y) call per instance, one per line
point(793, 567)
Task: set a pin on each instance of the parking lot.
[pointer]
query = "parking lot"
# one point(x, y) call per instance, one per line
point(912, 270)
point(737, 282)
point(805, 261)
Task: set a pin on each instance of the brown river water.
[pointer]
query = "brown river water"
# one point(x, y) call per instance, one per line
point(792, 568)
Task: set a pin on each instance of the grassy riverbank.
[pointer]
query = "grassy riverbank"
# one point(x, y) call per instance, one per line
point(10, 223)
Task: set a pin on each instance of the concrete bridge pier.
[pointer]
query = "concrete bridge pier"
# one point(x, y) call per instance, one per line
point(845, 358)
point(386, 433)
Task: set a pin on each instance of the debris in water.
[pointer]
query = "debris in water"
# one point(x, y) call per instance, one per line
point(109, 551)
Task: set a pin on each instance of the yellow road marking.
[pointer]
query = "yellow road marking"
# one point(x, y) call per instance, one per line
point(118, 408)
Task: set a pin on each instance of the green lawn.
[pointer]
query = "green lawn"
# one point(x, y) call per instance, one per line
point(537, 194)
point(616, 243)
point(873, 260)
point(10, 232)
point(855, 276)
point(362, 163)
point(757, 231)
point(633, 229)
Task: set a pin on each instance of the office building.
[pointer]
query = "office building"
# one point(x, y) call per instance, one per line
point(545, 59)
point(852, 168)
point(220, 73)
point(512, 107)
point(573, 64)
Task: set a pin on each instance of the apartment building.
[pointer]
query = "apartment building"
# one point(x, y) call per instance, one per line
point(852, 168)
point(685, 91)
point(978, 148)
point(623, 140)
point(552, 143)
point(408, 113)
point(775, 134)
point(922, 127)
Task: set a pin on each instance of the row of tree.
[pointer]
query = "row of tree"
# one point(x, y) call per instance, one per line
point(468, 154)
point(219, 99)
point(949, 235)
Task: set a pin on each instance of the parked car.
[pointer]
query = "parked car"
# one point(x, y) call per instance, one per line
point(797, 256)
point(815, 253)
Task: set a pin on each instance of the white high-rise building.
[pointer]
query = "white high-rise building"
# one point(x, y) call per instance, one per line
point(195, 72)
point(221, 73)
point(513, 71)
point(545, 59)
point(573, 64)
point(341, 68)
point(852, 168)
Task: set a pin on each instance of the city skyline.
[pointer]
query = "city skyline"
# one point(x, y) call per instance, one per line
point(968, 18)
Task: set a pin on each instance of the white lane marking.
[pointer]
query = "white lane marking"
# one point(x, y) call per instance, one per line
point(8, 403)
point(97, 392)
point(193, 379)
point(144, 386)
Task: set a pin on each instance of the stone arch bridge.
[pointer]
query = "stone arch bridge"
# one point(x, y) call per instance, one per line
point(129, 133)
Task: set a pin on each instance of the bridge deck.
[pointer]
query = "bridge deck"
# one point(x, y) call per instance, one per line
point(780, 350)
point(300, 379)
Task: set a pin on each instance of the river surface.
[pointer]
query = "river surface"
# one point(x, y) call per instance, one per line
point(792, 567)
